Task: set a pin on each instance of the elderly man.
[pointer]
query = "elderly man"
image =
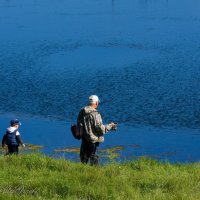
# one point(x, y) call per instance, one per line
point(94, 129)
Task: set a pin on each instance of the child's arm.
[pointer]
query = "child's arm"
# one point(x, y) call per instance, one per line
point(4, 140)
point(19, 140)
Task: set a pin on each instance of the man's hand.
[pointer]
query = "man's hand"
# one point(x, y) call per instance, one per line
point(113, 125)
point(23, 145)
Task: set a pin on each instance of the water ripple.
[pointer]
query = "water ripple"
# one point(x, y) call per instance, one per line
point(160, 92)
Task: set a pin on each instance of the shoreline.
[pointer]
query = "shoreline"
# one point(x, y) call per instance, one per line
point(127, 143)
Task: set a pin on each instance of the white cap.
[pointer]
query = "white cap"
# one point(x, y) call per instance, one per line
point(93, 99)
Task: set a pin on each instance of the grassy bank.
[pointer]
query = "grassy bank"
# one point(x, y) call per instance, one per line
point(37, 176)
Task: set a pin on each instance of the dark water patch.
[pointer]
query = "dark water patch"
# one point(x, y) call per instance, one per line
point(30, 83)
point(154, 94)
point(163, 91)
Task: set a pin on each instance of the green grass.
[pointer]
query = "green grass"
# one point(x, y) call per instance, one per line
point(35, 176)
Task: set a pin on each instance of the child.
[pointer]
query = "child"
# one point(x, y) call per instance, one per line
point(12, 137)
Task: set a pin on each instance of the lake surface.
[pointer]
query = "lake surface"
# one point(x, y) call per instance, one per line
point(141, 57)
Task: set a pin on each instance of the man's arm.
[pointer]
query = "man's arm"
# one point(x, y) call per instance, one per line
point(100, 127)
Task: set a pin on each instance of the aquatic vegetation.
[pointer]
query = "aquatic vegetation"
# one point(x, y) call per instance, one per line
point(112, 149)
point(110, 153)
point(29, 147)
point(33, 147)
point(69, 150)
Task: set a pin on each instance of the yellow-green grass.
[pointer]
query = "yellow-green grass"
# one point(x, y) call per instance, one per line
point(36, 176)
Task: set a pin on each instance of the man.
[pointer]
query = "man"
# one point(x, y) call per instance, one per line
point(12, 137)
point(93, 130)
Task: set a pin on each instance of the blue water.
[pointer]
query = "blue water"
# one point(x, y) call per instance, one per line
point(141, 57)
